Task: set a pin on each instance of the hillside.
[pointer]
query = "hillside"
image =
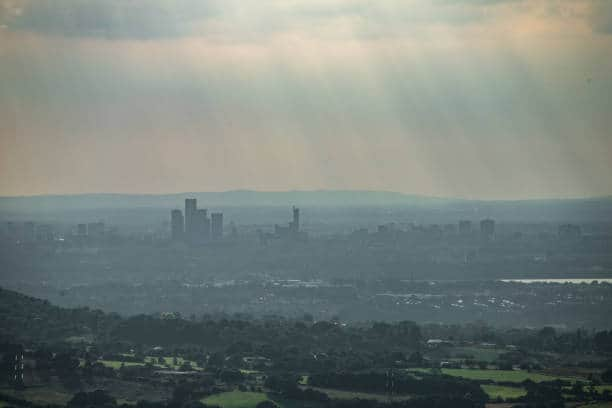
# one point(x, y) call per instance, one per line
point(27, 319)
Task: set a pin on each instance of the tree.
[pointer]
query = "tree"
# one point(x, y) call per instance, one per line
point(266, 404)
point(95, 399)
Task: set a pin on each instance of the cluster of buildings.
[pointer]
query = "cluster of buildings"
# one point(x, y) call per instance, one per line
point(464, 228)
point(291, 231)
point(195, 226)
point(30, 232)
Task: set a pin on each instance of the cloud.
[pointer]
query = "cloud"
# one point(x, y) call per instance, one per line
point(441, 97)
point(107, 18)
point(601, 18)
point(237, 19)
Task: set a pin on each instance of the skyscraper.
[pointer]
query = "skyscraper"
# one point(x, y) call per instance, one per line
point(217, 225)
point(95, 229)
point(177, 225)
point(82, 230)
point(201, 226)
point(191, 207)
point(28, 231)
point(487, 228)
point(465, 227)
point(295, 225)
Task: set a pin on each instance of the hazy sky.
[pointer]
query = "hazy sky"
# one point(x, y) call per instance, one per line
point(467, 98)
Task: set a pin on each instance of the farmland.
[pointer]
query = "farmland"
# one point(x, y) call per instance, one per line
point(500, 391)
point(516, 376)
point(236, 399)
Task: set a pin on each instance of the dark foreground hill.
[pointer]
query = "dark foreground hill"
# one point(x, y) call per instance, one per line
point(27, 319)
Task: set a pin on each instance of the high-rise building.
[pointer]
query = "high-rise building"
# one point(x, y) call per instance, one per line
point(44, 233)
point(201, 226)
point(28, 231)
point(569, 231)
point(82, 230)
point(465, 227)
point(487, 228)
point(207, 225)
point(216, 225)
point(12, 233)
point(177, 227)
point(295, 224)
point(191, 206)
point(95, 229)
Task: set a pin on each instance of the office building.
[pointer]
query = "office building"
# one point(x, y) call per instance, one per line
point(82, 230)
point(12, 233)
point(191, 207)
point(95, 229)
point(201, 228)
point(569, 232)
point(28, 231)
point(294, 226)
point(177, 227)
point(216, 226)
point(44, 233)
point(465, 227)
point(487, 228)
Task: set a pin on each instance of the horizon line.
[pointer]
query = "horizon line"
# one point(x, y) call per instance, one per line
point(412, 195)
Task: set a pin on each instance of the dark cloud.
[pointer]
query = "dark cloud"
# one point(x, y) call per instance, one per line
point(478, 2)
point(107, 18)
point(150, 19)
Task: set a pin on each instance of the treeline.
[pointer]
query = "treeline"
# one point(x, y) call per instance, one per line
point(28, 320)
point(399, 383)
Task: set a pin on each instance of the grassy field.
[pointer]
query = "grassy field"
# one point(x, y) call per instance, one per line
point(236, 399)
point(349, 395)
point(121, 401)
point(117, 364)
point(602, 388)
point(168, 361)
point(40, 395)
point(499, 391)
point(498, 375)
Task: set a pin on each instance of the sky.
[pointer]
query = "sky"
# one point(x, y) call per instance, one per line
point(487, 99)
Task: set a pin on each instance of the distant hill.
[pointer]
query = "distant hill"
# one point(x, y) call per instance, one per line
point(260, 198)
point(225, 198)
point(398, 206)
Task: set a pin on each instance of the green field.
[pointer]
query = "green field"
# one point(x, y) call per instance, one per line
point(602, 388)
point(236, 399)
point(168, 362)
point(498, 375)
point(349, 395)
point(117, 364)
point(40, 395)
point(499, 391)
